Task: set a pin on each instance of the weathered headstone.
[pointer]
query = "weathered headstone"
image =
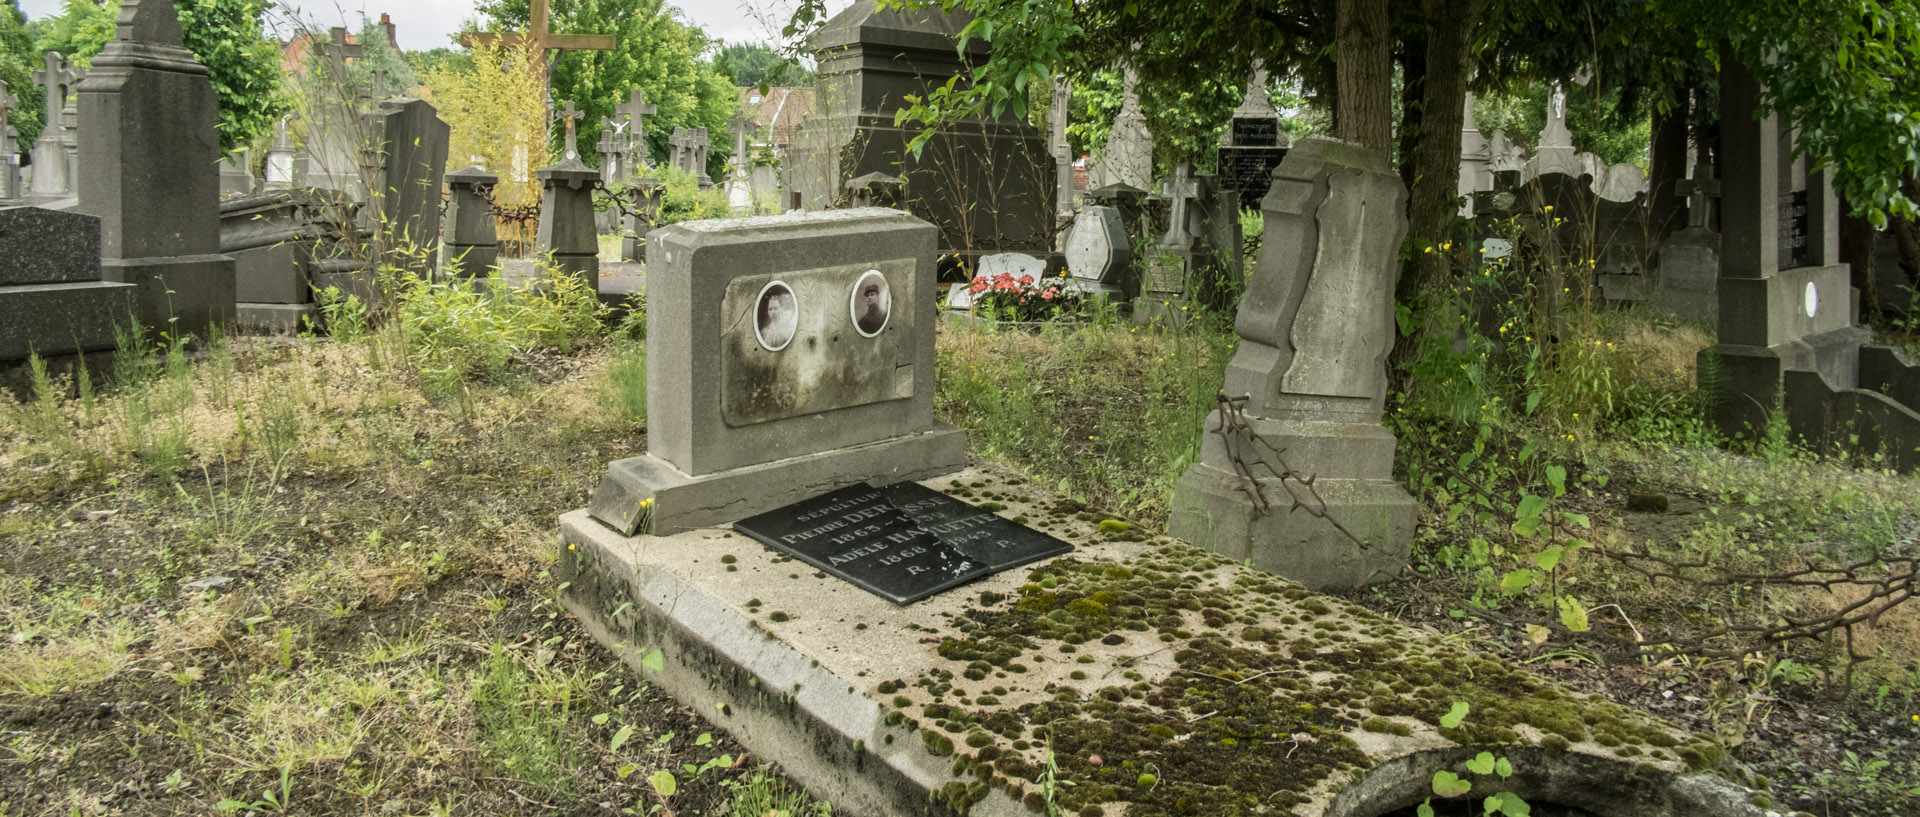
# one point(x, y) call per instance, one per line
point(1099, 253)
point(150, 135)
point(1689, 262)
point(413, 158)
point(644, 196)
point(286, 164)
point(271, 238)
point(739, 193)
point(1476, 160)
point(566, 231)
point(787, 356)
point(1555, 152)
point(235, 178)
point(636, 110)
point(337, 135)
point(473, 242)
point(870, 61)
point(9, 149)
point(1061, 149)
point(700, 145)
point(1253, 143)
point(1128, 156)
point(1315, 328)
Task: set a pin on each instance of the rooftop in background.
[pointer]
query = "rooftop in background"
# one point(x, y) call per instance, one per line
point(293, 55)
point(781, 109)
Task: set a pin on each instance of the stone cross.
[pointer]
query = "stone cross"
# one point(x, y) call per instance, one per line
point(9, 147)
point(570, 115)
point(338, 51)
point(1062, 149)
point(677, 144)
point(637, 110)
point(1179, 191)
point(609, 149)
point(379, 83)
point(740, 125)
point(57, 77)
point(538, 40)
point(1700, 194)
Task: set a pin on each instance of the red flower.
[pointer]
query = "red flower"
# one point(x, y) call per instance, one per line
point(979, 285)
point(1026, 279)
point(1047, 295)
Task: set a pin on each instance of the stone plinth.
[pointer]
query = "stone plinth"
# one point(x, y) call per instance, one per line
point(473, 242)
point(1315, 328)
point(52, 301)
point(149, 134)
point(567, 233)
point(771, 380)
point(413, 157)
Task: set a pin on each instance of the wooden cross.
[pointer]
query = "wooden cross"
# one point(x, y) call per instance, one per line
point(571, 115)
point(338, 51)
point(1700, 194)
point(56, 77)
point(538, 40)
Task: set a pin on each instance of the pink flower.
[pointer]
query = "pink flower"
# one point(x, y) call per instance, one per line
point(1026, 279)
point(979, 285)
point(1047, 295)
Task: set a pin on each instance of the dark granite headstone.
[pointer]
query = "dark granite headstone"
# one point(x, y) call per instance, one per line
point(1256, 132)
point(1248, 170)
point(48, 247)
point(983, 535)
point(857, 534)
point(1793, 230)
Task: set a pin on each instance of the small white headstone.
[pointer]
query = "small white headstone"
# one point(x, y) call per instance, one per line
point(1097, 247)
point(1496, 248)
point(1012, 263)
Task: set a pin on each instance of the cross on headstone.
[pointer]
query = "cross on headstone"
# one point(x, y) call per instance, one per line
point(740, 125)
point(1700, 194)
point(379, 83)
point(609, 149)
point(337, 51)
point(7, 100)
point(1180, 190)
point(571, 115)
point(677, 147)
point(636, 110)
point(538, 40)
point(57, 77)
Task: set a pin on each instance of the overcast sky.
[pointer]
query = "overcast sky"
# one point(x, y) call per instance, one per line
point(424, 24)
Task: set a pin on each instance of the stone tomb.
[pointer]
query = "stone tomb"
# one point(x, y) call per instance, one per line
point(889, 710)
point(52, 301)
point(788, 356)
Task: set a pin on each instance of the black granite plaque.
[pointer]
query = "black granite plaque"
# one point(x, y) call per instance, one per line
point(1263, 132)
point(981, 534)
point(857, 534)
point(1249, 171)
point(1794, 250)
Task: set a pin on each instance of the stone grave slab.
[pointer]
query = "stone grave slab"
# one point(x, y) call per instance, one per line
point(1097, 247)
point(858, 534)
point(980, 534)
point(44, 246)
point(889, 710)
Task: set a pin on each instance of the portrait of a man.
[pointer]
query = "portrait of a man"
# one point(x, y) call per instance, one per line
point(776, 316)
point(872, 303)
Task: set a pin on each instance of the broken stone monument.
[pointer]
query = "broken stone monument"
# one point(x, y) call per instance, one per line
point(870, 60)
point(52, 301)
point(271, 238)
point(1310, 374)
point(150, 135)
point(766, 385)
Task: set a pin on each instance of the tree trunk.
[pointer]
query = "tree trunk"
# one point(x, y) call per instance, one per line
point(1365, 73)
point(1856, 251)
point(1412, 56)
point(1436, 156)
point(1667, 211)
point(1906, 236)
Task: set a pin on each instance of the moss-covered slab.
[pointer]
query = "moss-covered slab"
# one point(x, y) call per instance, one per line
point(1140, 676)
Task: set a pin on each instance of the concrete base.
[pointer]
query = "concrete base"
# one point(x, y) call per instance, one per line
point(835, 683)
point(60, 319)
point(273, 274)
point(681, 502)
point(584, 267)
point(276, 318)
point(1211, 510)
point(183, 294)
point(1746, 381)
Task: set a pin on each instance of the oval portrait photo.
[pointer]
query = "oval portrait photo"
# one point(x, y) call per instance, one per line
point(872, 303)
point(776, 316)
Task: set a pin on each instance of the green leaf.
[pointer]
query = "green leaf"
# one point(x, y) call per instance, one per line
point(626, 770)
point(601, 719)
point(1531, 505)
point(1448, 784)
point(1481, 763)
point(1509, 804)
point(1557, 478)
point(620, 738)
point(231, 805)
point(664, 783)
point(704, 739)
point(1517, 580)
point(1425, 809)
point(1549, 556)
point(654, 660)
point(1503, 768)
point(1572, 615)
point(1455, 715)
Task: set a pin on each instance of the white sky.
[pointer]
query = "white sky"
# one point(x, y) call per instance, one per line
point(424, 24)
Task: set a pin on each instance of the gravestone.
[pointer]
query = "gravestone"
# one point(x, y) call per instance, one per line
point(645, 194)
point(51, 181)
point(739, 194)
point(1773, 316)
point(337, 135)
point(788, 356)
point(9, 149)
point(870, 61)
point(271, 237)
point(286, 164)
point(635, 111)
point(1689, 262)
point(1099, 254)
point(52, 301)
point(1555, 152)
point(473, 242)
point(1061, 149)
point(699, 148)
point(566, 232)
point(1476, 160)
point(1199, 253)
point(150, 135)
point(413, 158)
point(1315, 328)
point(1128, 155)
point(235, 178)
point(1253, 143)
